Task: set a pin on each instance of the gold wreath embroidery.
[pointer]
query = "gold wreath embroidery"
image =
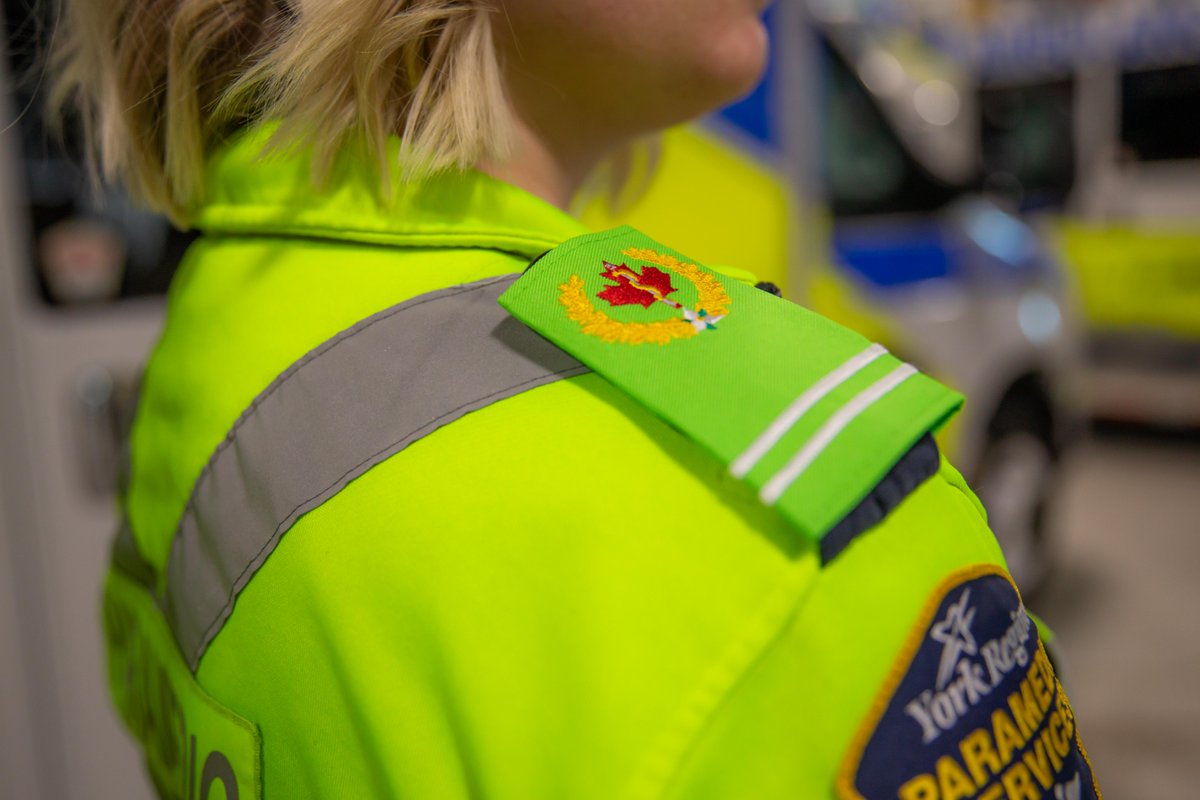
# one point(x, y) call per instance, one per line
point(713, 302)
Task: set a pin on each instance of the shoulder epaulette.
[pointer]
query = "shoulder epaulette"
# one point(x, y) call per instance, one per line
point(812, 416)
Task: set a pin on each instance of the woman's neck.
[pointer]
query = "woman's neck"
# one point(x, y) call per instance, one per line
point(536, 165)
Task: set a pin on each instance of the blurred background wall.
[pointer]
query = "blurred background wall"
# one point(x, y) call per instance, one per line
point(1004, 192)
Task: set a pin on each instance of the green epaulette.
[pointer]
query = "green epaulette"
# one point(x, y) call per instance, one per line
point(809, 414)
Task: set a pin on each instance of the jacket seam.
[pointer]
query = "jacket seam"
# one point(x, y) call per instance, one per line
point(473, 237)
point(660, 772)
point(973, 503)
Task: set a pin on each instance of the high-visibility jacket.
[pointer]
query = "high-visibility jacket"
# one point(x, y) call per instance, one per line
point(385, 540)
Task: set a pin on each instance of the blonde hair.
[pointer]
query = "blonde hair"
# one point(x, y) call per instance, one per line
point(159, 83)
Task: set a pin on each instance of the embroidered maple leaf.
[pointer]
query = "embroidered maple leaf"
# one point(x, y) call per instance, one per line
point(632, 288)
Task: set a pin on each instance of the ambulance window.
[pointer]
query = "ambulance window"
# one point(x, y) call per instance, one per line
point(1028, 137)
point(1160, 114)
point(867, 169)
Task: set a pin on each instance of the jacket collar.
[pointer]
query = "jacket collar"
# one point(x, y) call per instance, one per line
point(253, 191)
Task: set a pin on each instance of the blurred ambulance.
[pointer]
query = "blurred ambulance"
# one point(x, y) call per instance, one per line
point(1091, 123)
point(875, 218)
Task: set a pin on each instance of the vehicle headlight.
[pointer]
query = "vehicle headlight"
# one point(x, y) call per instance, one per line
point(1039, 316)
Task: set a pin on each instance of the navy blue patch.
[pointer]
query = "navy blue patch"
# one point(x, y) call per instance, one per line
point(972, 708)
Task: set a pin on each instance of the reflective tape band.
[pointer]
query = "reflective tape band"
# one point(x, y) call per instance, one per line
point(774, 488)
point(353, 402)
point(801, 406)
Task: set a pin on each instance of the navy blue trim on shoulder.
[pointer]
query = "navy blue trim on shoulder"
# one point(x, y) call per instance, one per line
point(915, 467)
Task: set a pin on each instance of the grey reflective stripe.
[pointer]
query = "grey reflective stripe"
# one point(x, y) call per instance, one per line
point(356, 400)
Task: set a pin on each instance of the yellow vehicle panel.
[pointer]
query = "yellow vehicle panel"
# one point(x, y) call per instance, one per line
point(1131, 278)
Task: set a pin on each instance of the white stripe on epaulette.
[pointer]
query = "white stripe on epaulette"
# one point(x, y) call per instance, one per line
point(774, 488)
point(801, 406)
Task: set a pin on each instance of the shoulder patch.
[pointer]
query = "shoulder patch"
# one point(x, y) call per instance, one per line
point(971, 709)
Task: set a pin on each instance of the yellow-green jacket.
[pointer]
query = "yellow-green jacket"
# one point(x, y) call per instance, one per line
point(546, 593)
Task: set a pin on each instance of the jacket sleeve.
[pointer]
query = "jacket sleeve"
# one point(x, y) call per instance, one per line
point(909, 669)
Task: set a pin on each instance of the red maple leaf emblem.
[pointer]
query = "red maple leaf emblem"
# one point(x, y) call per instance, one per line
point(632, 288)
